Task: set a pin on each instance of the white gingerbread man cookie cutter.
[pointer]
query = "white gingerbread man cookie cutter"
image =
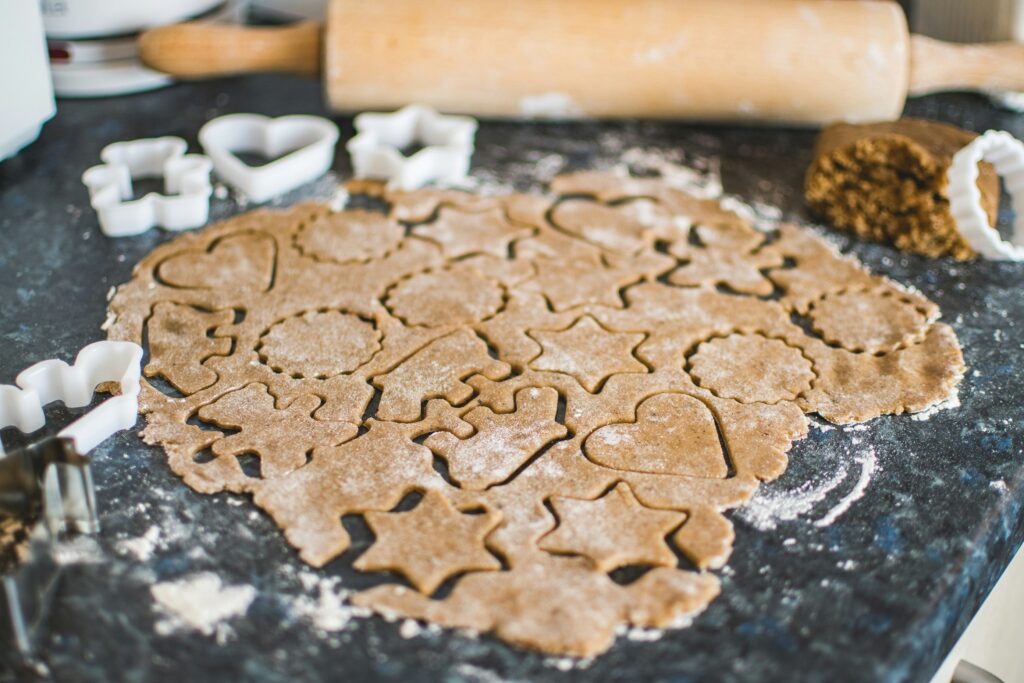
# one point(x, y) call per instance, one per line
point(447, 145)
point(21, 404)
point(185, 204)
point(301, 146)
point(1006, 154)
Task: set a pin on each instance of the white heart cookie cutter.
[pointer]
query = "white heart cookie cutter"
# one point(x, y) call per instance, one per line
point(302, 149)
point(185, 205)
point(1006, 154)
point(447, 147)
point(21, 406)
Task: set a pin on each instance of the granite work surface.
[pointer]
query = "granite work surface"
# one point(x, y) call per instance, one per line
point(863, 562)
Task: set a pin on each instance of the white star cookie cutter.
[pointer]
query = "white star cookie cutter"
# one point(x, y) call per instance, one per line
point(1006, 154)
point(185, 204)
point(302, 149)
point(447, 145)
point(21, 404)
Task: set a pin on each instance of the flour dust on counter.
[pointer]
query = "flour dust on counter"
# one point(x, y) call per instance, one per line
point(535, 408)
point(200, 602)
point(837, 484)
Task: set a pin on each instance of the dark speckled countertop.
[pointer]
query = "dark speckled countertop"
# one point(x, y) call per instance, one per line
point(879, 594)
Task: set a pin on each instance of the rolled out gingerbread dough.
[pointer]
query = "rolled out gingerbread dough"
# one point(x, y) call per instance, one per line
point(571, 389)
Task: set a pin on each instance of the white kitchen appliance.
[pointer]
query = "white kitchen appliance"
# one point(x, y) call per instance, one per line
point(104, 18)
point(93, 47)
point(26, 93)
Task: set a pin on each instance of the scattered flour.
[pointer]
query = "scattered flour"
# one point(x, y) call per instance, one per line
point(703, 182)
point(740, 207)
point(202, 603)
point(868, 465)
point(108, 321)
point(548, 166)
point(549, 105)
point(644, 635)
point(328, 611)
point(926, 414)
point(410, 628)
point(568, 663)
point(700, 177)
point(820, 424)
point(143, 546)
point(486, 183)
point(539, 167)
point(767, 508)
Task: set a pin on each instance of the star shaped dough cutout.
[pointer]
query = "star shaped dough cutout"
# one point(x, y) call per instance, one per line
point(740, 272)
point(731, 256)
point(588, 352)
point(460, 233)
point(575, 283)
point(429, 543)
point(613, 531)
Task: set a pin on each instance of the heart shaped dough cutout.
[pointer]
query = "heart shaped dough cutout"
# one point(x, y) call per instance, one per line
point(244, 261)
point(673, 434)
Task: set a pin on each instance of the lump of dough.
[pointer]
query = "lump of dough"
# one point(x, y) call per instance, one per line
point(887, 182)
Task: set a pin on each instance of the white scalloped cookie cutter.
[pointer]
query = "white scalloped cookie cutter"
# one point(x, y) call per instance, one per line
point(444, 158)
point(1006, 154)
point(185, 204)
point(21, 406)
point(302, 149)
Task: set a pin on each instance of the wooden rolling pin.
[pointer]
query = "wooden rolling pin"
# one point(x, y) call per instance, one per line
point(793, 61)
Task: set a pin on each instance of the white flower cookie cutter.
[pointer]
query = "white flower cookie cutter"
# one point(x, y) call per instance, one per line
point(21, 406)
point(1006, 154)
point(302, 149)
point(447, 145)
point(185, 205)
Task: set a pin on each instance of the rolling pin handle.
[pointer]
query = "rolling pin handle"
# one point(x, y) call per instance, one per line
point(196, 50)
point(937, 66)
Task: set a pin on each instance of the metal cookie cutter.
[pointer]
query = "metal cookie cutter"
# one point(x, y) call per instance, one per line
point(185, 205)
point(447, 145)
point(1006, 154)
point(302, 149)
point(48, 484)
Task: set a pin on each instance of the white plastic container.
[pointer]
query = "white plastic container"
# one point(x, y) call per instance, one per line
point(26, 91)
